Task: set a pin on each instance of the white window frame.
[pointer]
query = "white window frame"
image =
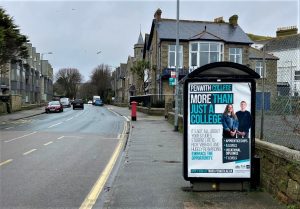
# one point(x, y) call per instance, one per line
point(220, 55)
point(259, 67)
point(180, 52)
point(236, 55)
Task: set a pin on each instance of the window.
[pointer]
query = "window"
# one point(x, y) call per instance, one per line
point(259, 68)
point(297, 75)
point(172, 56)
point(235, 55)
point(202, 53)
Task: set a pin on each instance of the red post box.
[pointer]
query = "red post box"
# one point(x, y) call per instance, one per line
point(133, 110)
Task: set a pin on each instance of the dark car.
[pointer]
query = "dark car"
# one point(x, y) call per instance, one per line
point(54, 106)
point(78, 103)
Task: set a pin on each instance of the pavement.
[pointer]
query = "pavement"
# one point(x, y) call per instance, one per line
point(150, 172)
point(21, 114)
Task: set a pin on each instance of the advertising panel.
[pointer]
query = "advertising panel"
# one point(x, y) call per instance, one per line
point(218, 129)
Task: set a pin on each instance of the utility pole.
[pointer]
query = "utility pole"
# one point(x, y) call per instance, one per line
point(263, 96)
point(177, 71)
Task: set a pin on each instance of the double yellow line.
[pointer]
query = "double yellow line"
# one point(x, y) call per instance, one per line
point(91, 198)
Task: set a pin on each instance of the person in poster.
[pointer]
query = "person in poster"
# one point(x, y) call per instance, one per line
point(244, 118)
point(230, 122)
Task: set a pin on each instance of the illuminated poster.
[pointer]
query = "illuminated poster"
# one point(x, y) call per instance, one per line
point(219, 130)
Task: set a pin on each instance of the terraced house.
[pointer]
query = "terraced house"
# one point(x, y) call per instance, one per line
point(201, 42)
point(27, 81)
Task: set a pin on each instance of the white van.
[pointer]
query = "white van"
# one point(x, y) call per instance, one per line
point(65, 102)
point(95, 98)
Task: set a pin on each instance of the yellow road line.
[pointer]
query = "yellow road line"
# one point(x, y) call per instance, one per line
point(6, 162)
point(30, 151)
point(91, 198)
point(48, 143)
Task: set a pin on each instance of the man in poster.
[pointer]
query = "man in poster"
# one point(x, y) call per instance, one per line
point(244, 118)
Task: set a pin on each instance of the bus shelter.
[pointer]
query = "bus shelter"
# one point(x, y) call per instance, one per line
point(219, 126)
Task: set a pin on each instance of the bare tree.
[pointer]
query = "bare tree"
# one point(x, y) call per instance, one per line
point(87, 91)
point(69, 80)
point(100, 79)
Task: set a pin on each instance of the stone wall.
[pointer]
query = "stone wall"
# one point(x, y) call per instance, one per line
point(3, 108)
point(16, 102)
point(151, 111)
point(280, 171)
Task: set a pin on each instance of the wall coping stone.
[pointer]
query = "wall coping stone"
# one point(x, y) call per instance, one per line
point(278, 150)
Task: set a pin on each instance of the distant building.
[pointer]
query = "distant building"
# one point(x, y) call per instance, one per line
point(269, 75)
point(285, 46)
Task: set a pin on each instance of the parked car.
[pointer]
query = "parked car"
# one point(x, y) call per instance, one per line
point(90, 102)
point(65, 102)
point(98, 102)
point(54, 106)
point(78, 103)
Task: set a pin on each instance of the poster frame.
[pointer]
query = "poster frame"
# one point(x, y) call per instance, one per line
point(185, 130)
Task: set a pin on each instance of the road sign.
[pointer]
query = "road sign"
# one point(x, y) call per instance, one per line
point(173, 74)
point(172, 81)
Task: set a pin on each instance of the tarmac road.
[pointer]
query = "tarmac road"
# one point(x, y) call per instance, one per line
point(53, 160)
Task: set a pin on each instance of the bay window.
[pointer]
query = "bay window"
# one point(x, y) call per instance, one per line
point(202, 53)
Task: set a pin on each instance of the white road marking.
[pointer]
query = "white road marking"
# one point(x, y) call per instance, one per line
point(61, 137)
point(126, 118)
point(9, 128)
point(46, 144)
point(69, 119)
point(5, 162)
point(30, 151)
point(20, 137)
point(55, 125)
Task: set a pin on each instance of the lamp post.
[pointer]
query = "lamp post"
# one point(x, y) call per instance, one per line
point(42, 81)
point(177, 71)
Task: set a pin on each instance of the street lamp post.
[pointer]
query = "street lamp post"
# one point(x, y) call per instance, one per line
point(177, 70)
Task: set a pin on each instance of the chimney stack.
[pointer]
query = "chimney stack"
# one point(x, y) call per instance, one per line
point(285, 31)
point(219, 20)
point(233, 20)
point(157, 14)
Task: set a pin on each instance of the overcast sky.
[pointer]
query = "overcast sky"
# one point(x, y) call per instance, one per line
point(76, 30)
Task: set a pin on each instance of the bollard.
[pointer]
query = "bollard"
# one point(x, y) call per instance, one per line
point(133, 110)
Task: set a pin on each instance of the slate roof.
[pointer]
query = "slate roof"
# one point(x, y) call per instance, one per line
point(258, 54)
point(283, 43)
point(188, 30)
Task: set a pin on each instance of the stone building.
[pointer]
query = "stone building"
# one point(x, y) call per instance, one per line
point(269, 75)
point(201, 42)
point(285, 46)
point(27, 81)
